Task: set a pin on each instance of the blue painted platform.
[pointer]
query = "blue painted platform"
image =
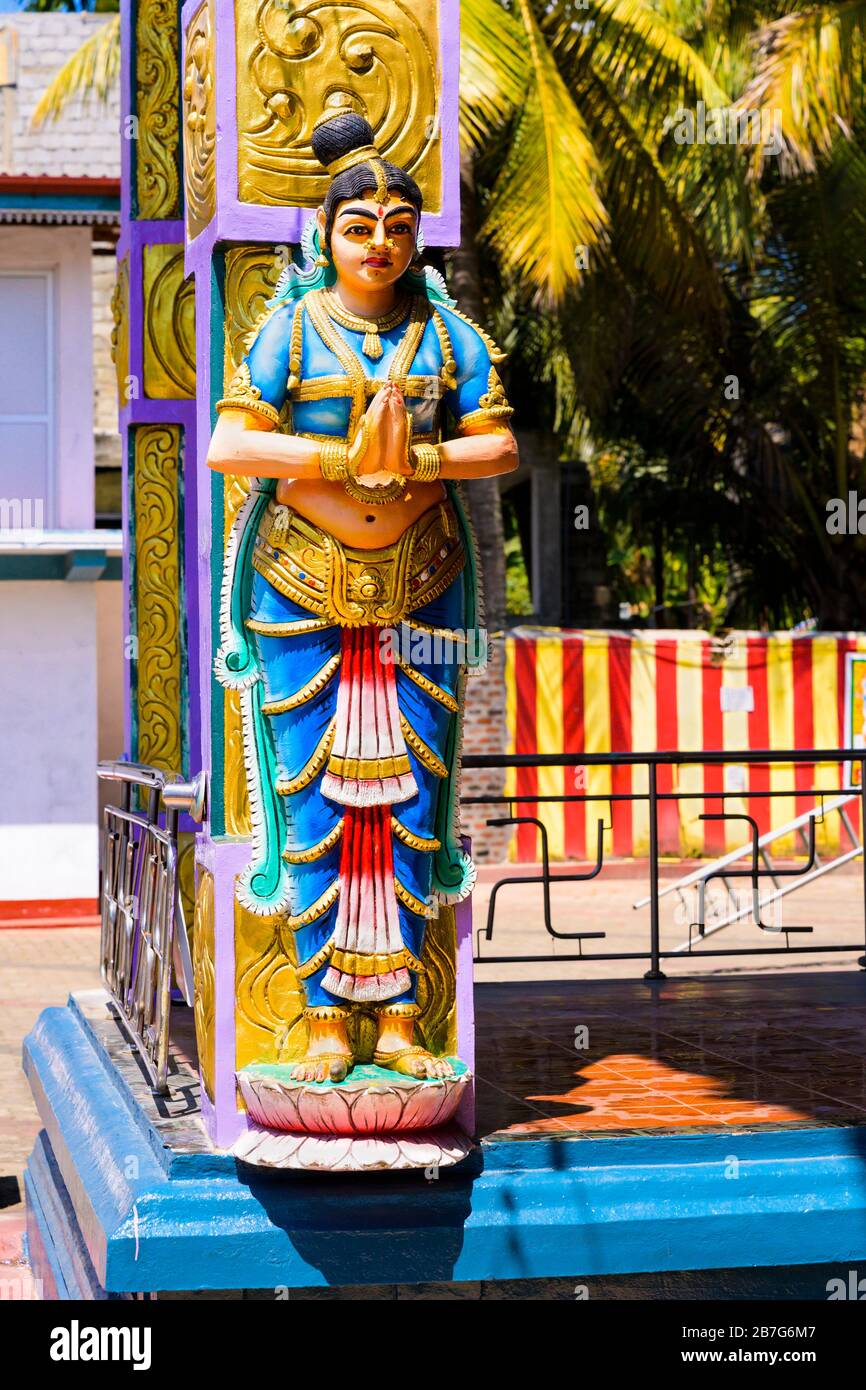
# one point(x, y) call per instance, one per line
point(125, 1195)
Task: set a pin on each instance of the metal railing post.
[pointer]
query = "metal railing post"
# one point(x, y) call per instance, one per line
point(655, 971)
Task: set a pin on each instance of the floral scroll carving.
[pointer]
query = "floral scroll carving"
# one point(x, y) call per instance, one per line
point(205, 981)
point(157, 147)
point(199, 135)
point(157, 595)
point(379, 56)
point(169, 325)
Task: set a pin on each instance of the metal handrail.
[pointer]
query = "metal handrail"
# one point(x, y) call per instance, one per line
point(144, 940)
point(652, 761)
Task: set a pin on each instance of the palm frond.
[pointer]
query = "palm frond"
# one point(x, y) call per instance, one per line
point(91, 71)
point(493, 69)
point(710, 188)
point(545, 214)
point(640, 50)
point(654, 239)
point(810, 77)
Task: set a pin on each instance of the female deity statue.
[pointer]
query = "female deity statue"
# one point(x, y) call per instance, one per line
point(350, 609)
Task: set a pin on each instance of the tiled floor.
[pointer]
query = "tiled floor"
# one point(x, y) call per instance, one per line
point(696, 1055)
point(764, 1046)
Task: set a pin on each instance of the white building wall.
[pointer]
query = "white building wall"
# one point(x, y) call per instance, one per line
point(48, 628)
point(65, 252)
point(48, 740)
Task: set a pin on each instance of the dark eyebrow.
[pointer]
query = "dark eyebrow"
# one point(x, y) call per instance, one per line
point(403, 208)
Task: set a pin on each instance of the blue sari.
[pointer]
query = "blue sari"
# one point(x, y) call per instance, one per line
point(351, 663)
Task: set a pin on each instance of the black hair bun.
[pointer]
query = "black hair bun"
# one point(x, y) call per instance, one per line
point(345, 132)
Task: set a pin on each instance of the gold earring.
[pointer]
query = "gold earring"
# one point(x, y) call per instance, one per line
point(322, 261)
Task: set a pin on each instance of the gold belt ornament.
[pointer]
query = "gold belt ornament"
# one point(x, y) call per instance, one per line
point(351, 586)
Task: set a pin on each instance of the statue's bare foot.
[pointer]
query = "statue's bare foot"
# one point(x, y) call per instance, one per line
point(416, 1062)
point(323, 1066)
point(329, 1055)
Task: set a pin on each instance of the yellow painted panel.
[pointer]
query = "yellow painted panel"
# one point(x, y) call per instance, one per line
point(643, 731)
point(780, 700)
point(548, 700)
point(596, 694)
point(690, 701)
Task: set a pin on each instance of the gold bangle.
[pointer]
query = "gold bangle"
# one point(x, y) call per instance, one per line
point(334, 461)
point(353, 464)
point(428, 463)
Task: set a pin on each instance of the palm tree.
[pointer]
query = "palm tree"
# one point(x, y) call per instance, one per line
point(91, 71)
point(568, 101)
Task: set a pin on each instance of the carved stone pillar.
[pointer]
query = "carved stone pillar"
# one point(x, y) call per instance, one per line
point(154, 351)
point(255, 76)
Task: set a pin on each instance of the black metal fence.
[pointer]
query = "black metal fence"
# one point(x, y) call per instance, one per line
point(653, 797)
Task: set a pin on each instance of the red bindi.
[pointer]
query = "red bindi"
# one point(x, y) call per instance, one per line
point(381, 212)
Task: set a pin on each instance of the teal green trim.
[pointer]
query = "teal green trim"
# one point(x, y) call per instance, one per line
point(364, 1071)
point(264, 885)
point(27, 568)
point(61, 202)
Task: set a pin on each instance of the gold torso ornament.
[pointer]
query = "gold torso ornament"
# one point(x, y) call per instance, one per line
point(350, 585)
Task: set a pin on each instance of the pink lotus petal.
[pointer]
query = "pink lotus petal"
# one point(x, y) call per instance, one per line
point(377, 1110)
point(324, 1110)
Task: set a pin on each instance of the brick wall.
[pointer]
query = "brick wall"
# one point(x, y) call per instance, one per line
point(84, 141)
point(484, 731)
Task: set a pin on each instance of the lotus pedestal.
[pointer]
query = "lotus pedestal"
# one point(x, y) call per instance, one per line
point(374, 1120)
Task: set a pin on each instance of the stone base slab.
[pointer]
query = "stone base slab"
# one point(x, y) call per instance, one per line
point(343, 1153)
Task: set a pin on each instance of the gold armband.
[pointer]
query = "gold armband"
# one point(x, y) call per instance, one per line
point(428, 463)
point(334, 460)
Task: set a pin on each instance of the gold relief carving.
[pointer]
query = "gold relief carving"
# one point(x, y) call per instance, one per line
point(169, 325)
point(186, 876)
point(157, 153)
point(437, 987)
point(269, 1022)
point(204, 978)
point(379, 56)
point(120, 331)
point(251, 274)
point(199, 128)
point(157, 595)
point(235, 795)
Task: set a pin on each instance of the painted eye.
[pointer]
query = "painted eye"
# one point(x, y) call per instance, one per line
point(357, 230)
point(400, 229)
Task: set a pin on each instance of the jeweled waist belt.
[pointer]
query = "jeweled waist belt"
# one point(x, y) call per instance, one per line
point(352, 586)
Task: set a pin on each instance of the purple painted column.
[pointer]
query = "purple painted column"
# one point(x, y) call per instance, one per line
point(214, 69)
point(155, 383)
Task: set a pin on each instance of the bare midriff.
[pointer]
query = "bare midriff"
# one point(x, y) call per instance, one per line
point(368, 526)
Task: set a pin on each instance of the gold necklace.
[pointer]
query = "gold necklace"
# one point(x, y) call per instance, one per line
point(371, 328)
point(381, 492)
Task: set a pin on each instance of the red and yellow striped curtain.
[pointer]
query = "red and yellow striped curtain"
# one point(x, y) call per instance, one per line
point(588, 691)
